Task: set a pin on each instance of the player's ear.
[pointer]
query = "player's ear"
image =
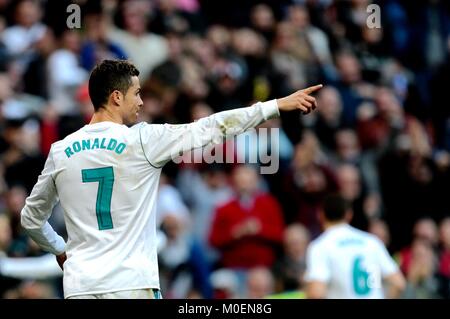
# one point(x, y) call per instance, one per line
point(116, 97)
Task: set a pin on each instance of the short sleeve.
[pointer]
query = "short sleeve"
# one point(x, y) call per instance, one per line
point(317, 264)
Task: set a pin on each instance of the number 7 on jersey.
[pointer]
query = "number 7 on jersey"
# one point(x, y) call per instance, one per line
point(105, 178)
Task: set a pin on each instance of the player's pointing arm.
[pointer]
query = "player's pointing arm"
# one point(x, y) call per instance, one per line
point(173, 140)
point(301, 100)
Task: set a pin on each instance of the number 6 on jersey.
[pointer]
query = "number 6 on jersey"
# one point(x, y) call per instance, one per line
point(105, 178)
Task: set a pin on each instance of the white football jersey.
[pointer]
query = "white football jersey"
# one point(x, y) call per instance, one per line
point(351, 262)
point(106, 177)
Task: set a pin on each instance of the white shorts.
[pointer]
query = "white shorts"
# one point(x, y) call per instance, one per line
point(124, 294)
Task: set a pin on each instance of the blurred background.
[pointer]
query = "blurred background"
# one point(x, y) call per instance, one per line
point(381, 134)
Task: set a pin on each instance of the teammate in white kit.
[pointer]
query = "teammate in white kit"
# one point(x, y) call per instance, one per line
point(347, 263)
point(106, 177)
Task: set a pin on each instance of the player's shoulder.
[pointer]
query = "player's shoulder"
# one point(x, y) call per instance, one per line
point(338, 233)
point(63, 142)
point(137, 126)
point(369, 239)
point(140, 128)
point(320, 242)
point(145, 129)
point(83, 133)
point(364, 234)
point(57, 148)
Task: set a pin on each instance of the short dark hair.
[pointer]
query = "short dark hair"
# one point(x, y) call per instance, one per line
point(108, 76)
point(334, 207)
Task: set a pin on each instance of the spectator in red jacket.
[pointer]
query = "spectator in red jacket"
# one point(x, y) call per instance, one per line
point(247, 229)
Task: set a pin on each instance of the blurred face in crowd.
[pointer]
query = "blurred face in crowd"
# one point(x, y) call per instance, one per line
point(296, 239)
point(228, 74)
point(306, 151)
point(175, 46)
point(193, 80)
point(152, 108)
point(423, 256)
point(444, 232)
point(47, 43)
point(330, 104)
point(200, 110)
point(380, 229)
point(5, 232)
point(71, 41)
point(347, 146)
point(245, 180)
point(219, 37)
point(307, 175)
point(167, 5)
point(372, 35)
point(260, 283)
point(15, 199)
point(349, 182)
point(426, 229)
point(14, 136)
point(359, 3)
point(348, 68)
point(96, 26)
point(215, 178)
point(28, 13)
point(285, 37)
point(299, 17)
point(248, 43)
point(262, 17)
point(386, 102)
point(312, 180)
point(135, 16)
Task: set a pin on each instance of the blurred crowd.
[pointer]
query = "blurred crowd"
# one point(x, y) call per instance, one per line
point(380, 136)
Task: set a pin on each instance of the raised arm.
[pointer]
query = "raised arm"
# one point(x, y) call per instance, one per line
point(161, 143)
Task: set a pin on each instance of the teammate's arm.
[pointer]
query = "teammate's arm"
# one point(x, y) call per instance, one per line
point(38, 208)
point(392, 276)
point(316, 290)
point(173, 140)
point(318, 272)
point(396, 284)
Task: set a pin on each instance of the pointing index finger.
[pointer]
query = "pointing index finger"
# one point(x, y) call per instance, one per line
point(312, 89)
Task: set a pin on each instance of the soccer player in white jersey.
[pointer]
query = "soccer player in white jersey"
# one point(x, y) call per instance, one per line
point(106, 175)
point(347, 263)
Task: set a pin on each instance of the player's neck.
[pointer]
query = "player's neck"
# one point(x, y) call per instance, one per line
point(329, 224)
point(105, 115)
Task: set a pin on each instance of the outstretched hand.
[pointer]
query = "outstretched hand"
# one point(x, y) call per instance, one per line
point(301, 100)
